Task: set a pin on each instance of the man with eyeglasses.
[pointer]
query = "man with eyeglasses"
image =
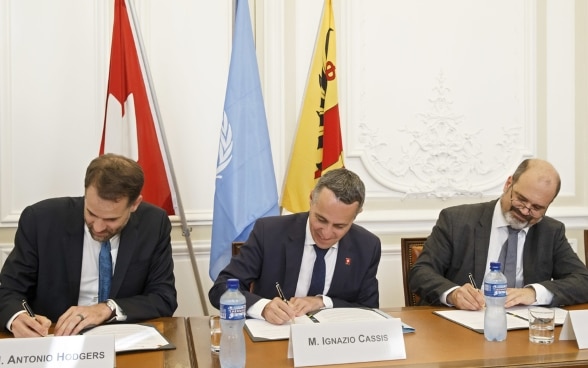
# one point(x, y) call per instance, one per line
point(467, 238)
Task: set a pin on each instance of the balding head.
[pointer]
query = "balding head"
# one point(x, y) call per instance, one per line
point(541, 172)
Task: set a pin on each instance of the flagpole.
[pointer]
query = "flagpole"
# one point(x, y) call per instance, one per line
point(185, 229)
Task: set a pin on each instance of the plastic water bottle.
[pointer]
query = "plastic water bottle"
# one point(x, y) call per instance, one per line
point(495, 294)
point(232, 314)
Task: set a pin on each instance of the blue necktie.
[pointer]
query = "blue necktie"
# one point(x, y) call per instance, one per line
point(317, 282)
point(508, 257)
point(105, 272)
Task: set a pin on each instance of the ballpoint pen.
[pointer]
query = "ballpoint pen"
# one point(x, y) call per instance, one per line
point(472, 281)
point(282, 296)
point(28, 308)
point(281, 293)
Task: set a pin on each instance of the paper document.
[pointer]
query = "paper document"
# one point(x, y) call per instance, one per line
point(516, 317)
point(131, 337)
point(261, 330)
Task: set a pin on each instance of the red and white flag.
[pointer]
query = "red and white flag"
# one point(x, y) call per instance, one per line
point(131, 125)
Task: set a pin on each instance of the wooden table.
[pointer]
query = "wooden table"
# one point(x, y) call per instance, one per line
point(174, 329)
point(437, 342)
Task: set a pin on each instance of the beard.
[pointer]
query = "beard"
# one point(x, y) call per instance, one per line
point(515, 222)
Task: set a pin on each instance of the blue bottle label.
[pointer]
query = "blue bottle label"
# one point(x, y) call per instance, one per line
point(495, 290)
point(232, 312)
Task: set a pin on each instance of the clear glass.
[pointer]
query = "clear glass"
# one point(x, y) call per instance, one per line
point(215, 334)
point(541, 325)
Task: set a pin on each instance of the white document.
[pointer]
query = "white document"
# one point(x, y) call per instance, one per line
point(516, 317)
point(130, 337)
point(576, 328)
point(261, 330)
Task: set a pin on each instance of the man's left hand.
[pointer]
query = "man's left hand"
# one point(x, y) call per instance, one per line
point(523, 296)
point(75, 319)
point(306, 304)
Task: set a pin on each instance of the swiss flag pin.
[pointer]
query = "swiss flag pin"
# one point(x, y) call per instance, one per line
point(347, 261)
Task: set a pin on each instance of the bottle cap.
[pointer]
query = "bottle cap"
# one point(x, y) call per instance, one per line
point(494, 266)
point(232, 283)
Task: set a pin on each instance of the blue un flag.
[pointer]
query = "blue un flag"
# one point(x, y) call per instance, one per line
point(245, 180)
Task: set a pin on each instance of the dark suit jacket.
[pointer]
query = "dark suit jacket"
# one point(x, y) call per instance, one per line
point(273, 253)
point(459, 243)
point(46, 263)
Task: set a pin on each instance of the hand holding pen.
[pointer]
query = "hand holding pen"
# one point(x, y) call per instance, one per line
point(283, 297)
point(278, 311)
point(28, 324)
point(473, 283)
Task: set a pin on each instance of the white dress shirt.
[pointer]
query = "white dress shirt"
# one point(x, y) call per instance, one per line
point(305, 275)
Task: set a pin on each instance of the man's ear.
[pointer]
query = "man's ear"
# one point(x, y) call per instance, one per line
point(136, 203)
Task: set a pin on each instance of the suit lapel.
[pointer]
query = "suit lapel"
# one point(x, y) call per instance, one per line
point(293, 249)
point(342, 266)
point(126, 248)
point(482, 240)
point(73, 245)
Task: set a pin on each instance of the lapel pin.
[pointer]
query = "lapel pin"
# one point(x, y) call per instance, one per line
point(347, 261)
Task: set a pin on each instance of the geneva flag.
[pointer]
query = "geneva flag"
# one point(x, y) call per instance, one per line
point(318, 147)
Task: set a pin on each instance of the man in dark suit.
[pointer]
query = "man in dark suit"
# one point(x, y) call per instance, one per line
point(54, 263)
point(467, 238)
point(281, 249)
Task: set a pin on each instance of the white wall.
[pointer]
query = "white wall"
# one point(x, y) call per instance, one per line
point(439, 101)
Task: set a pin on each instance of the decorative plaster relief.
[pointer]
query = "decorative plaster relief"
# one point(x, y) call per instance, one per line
point(442, 154)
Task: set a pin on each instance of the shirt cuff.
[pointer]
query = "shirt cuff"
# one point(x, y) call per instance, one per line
point(542, 295)
point(9, 323)
point(255, 310)
point(120, 314)
point(328, 302)
point(444, 296)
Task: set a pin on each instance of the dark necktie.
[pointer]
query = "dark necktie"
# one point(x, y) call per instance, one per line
point(508, 257)
point(317, 283)
point(105, 271)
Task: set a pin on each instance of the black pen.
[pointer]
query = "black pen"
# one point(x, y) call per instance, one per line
point(282, 296)
point(28, 308)
point(472, 281)
point(281, 293)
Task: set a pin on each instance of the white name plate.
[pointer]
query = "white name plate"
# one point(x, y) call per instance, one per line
point(347, 342)
point(576, 328)
point(58, 352)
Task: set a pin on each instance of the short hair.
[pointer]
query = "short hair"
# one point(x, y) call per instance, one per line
point(115, 177)
point(345, 184)
point(527, 164)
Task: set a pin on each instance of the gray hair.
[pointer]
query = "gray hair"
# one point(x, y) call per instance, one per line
point(345, 184)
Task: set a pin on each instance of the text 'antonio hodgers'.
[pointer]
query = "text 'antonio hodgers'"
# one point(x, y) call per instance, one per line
point(312, 341)
point(56, 357)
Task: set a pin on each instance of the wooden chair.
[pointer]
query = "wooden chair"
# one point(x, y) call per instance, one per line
point(236, 247)
point(586, 247)
point(411, 249)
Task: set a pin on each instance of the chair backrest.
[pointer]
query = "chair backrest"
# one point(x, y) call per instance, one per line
point(236, 247)
point(411, 249)
point(586, 247)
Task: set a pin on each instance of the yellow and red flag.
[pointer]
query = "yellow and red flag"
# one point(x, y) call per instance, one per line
point(131, 124)
point(318, 147)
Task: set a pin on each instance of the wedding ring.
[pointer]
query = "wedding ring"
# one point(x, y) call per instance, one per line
point(81, 317)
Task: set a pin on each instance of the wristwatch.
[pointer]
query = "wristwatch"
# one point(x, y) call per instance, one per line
point(112, 305)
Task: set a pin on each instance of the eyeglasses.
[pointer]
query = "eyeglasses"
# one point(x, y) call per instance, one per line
point(533, 211)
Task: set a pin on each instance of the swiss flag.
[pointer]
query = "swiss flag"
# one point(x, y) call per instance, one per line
point(131, 125)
